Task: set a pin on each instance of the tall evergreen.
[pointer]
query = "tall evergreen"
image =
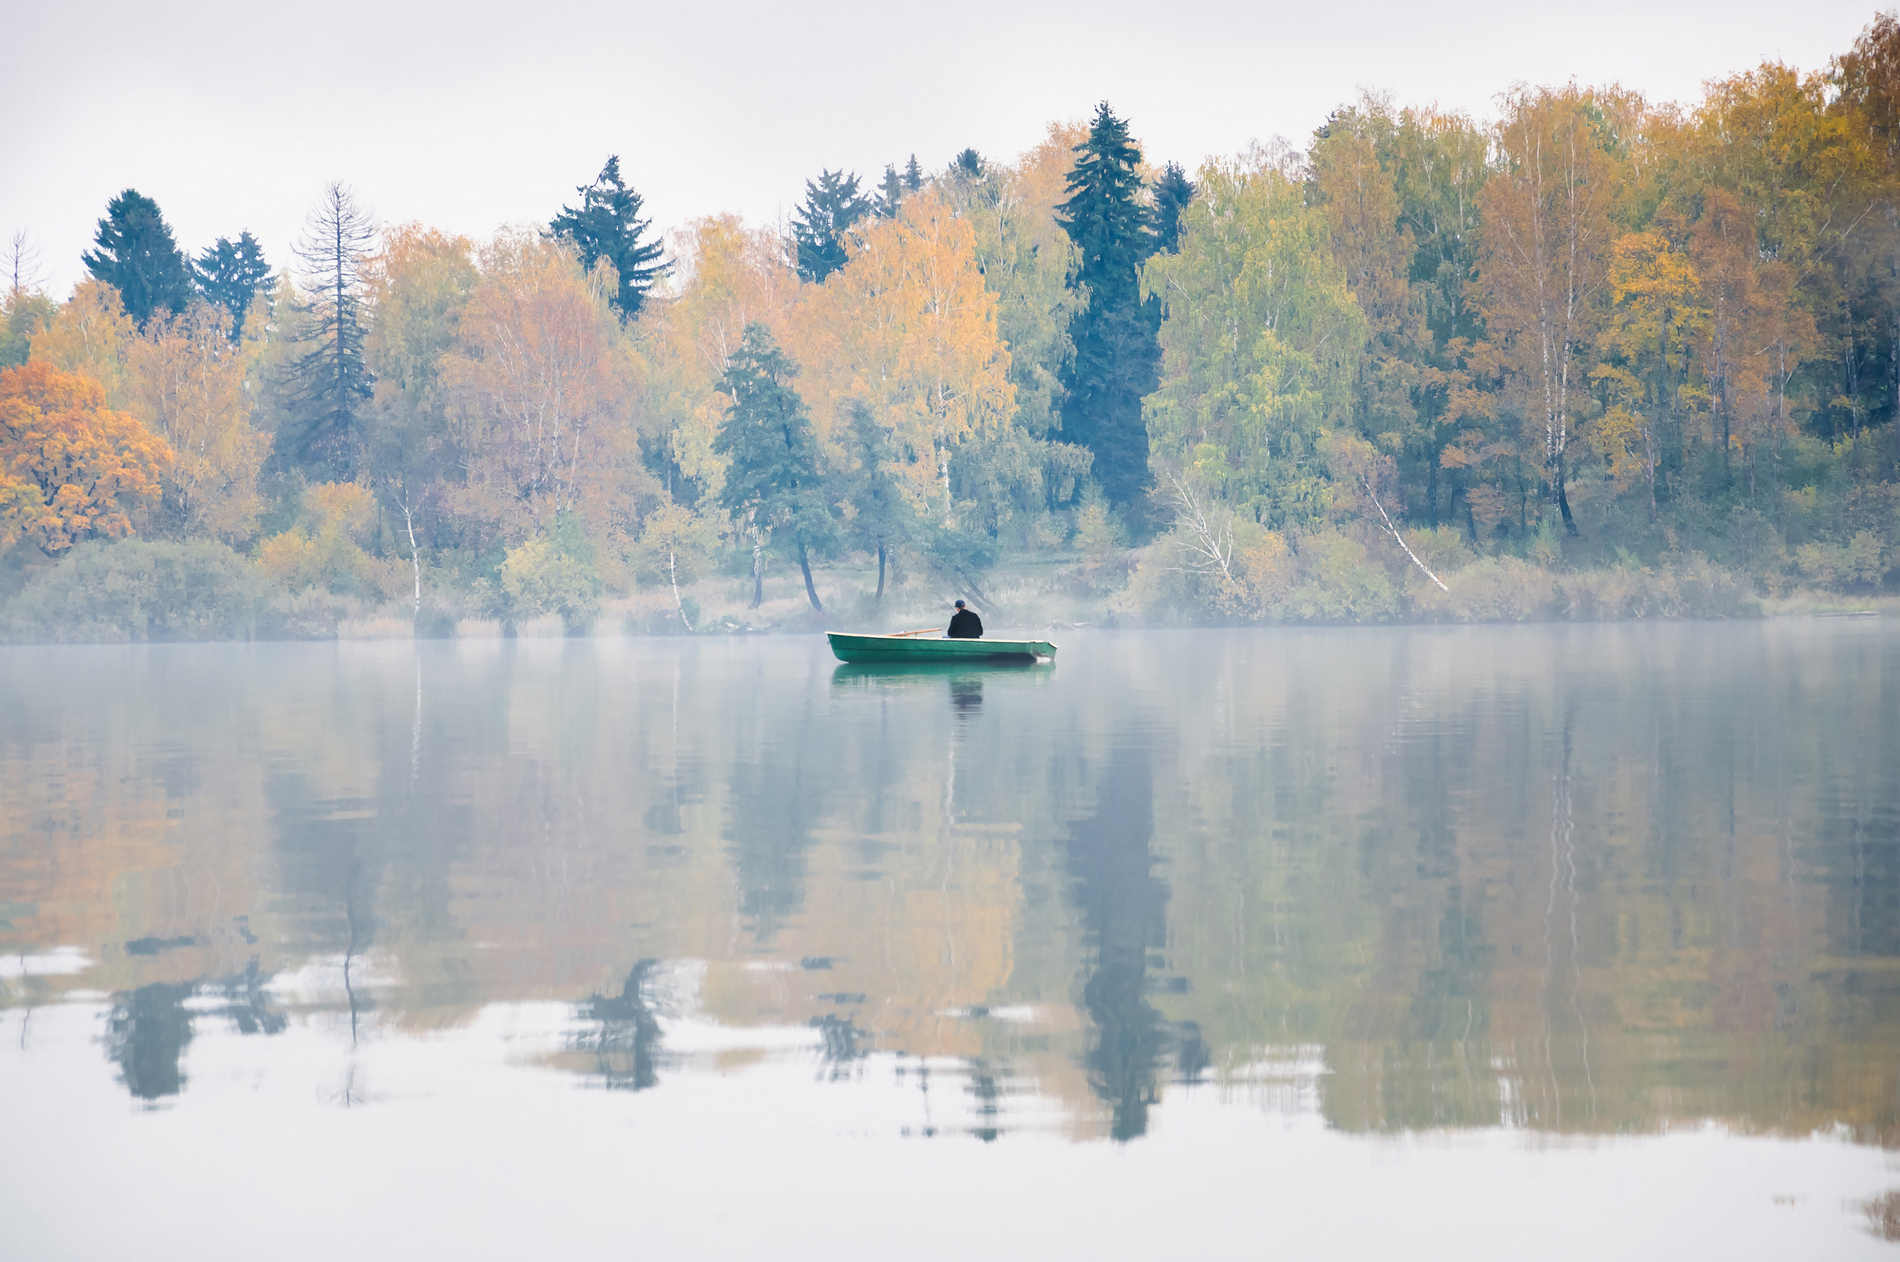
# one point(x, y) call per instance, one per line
point(231, 275)
point(607, 225)
point(1173, 191)
point(819, 226)
point(331, 383)
point(968, 164)
point(913, 174)
point(1117, 358)
point(774, 483)
point(890, 193)
point(138, 256)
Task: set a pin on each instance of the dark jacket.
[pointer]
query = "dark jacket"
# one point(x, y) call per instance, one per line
point(965, 625)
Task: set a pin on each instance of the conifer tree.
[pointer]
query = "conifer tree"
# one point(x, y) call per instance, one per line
point(832, 206)
point(331, 384)
point(890, 193)
point(607, 225)
point(774, 483)
point(230, 275)
point(968, 164)
point(913, 175)
point(138, 257)
point(1116, 354)
point(1173, 192)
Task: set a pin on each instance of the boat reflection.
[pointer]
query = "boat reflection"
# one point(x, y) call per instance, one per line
point(902, 675)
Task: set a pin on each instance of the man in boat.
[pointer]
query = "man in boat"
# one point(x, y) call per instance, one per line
point(964, 624)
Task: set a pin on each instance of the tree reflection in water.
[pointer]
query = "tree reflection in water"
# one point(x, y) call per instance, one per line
point(146, 1034)
point(626, 1045)
point(1124, 911)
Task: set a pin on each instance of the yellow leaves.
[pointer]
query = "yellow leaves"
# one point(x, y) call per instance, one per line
point(1542, 256)
point(416, 284)
point(1362, 207)
point(70, 468)
point(1265, 568)
point(187, 380)
point(733, 276)
point(1618, 436)
point(324, 549)
point(89, 337)
point(907, 327)
point(1767, 136)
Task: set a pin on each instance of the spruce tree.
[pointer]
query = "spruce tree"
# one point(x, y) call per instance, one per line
point(607, 225)
point(968, 164)
point(913, 175)
point(231, 275)
point(1173, 192)
point(774, 482)
point(1117, 356)
point(138, 257)
point(890, 193)
point(330, 381)
point(832, 206)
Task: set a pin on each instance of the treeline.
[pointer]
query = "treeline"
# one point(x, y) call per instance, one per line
point(1600, 357)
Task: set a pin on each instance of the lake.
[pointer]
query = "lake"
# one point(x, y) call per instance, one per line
point(1566, 942)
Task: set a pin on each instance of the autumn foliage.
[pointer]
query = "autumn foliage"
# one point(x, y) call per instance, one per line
point(1427, 361)
point(70, 468)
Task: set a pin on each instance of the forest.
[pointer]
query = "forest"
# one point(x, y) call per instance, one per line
point(1598, 357)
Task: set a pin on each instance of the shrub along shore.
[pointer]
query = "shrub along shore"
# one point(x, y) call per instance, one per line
point(155, 592)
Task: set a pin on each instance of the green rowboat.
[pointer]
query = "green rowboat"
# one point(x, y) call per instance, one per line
point(916, 647)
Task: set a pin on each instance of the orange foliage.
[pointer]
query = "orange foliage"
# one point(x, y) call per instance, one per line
point(70, 468)
point(543, 383)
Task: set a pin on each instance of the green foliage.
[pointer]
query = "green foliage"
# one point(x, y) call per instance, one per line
point(1116, 356)
point(330, 381)
point(675, 547)
point(882, 517)
point(553, 574)
point(1027, 262)
point(137, 256)
point(820, 224)
point(607, 225)
point(324, 549)
point(890, 193)
point(774, 485)
point(141, 591)
point(1260, 344)
point(1173, 192)
point(232, 275)
point(23, 315)
point(1340, 582)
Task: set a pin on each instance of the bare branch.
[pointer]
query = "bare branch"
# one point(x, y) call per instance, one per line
point(1394, 532)
point(1210, 536)
point(22, 264)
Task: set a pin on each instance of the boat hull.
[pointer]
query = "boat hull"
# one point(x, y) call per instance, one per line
point(889, 649)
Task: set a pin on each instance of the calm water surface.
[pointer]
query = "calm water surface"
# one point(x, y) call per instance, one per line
point(1555, 942)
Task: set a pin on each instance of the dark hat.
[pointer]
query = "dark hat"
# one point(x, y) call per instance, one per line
point(959, 604)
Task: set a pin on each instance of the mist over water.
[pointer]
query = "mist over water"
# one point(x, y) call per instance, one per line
point(1333, 941)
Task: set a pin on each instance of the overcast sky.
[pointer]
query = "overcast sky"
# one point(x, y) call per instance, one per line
point(469, 115)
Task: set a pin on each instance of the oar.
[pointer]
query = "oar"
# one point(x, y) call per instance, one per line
point(923, 631)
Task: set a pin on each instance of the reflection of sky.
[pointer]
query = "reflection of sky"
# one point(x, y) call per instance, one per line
point(461, 1144)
